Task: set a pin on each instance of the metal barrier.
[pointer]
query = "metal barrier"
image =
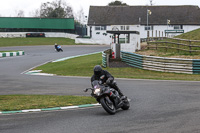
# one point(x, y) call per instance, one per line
point(190, 66)
point(104, 59)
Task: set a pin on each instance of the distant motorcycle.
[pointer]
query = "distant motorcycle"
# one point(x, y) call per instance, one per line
point(58, 48)
point(108, 97)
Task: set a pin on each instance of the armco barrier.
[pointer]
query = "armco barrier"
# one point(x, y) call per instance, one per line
point(9, 54)
point(104, 59)
point(177, 65)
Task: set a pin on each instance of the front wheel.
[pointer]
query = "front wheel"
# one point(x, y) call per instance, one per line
point(109, 107)
point(126, 105)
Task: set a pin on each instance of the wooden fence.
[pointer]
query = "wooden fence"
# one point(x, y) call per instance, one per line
point(180, 45)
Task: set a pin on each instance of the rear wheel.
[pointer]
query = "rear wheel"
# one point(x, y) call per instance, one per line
point(109, 107)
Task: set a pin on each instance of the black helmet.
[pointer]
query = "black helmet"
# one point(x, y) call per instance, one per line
point(97, 70)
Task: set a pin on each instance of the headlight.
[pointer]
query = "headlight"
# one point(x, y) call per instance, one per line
point(97, 91)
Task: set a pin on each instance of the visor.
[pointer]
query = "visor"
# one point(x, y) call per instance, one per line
point(97, 72)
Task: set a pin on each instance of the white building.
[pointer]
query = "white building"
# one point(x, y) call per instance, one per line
point(152, 21)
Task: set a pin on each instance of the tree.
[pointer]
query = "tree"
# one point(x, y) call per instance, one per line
point(152, 3)
point(19, 13)
point(55, 9)
point(35, 13)
point(117, 3)
point(80, 17)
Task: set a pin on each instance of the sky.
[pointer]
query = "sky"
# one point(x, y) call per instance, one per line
point(8, 8)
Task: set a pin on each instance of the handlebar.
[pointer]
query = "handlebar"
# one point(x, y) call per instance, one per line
point(85, 90)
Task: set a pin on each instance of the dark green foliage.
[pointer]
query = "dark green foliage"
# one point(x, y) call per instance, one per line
point(117, 3)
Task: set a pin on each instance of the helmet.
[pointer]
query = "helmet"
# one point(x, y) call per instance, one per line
point(97, 70)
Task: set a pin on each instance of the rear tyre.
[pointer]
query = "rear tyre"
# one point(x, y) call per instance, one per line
point(110, 108)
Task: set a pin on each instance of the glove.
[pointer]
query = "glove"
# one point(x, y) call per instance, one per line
point(100, 82)
point(109, 81)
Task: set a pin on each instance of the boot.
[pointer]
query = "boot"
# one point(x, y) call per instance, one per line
point(119, 91)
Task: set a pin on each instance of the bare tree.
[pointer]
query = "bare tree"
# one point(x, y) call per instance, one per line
point(35, 13)
point(152, 3)
point(80, 17)
point(19, 13)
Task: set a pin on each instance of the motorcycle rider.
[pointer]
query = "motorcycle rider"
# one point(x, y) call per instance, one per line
point(108, 78)
point(58, 47)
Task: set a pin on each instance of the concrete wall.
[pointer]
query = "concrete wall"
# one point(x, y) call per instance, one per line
point(91, 41)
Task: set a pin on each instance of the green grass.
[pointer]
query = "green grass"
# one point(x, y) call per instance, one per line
point(192, 35)
point(83, 66)
point(20, 102)
point(7, 42)
point(79, 66)
point(9, 51)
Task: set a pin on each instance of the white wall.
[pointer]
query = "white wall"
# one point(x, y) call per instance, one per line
point(47, 34)
point(107, 39)
point(12, 34)
point(159, 29)
point(188, 28)
point(133, 45)
point(91, 41)
point(57, 34)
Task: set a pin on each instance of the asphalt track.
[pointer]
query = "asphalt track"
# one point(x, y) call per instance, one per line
point(156, 106)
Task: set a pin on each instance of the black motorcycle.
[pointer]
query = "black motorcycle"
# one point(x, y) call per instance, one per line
point(108, 97)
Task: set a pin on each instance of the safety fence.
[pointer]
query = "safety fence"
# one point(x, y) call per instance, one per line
point(190, 66)
point(105, 57)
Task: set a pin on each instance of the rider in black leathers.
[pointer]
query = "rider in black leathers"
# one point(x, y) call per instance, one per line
point(108, 79)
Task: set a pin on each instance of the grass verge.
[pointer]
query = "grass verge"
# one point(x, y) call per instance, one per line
point(192, 35)
point(9, 51)
point(79, 66)
point(20, 102)
point(7, 42)
point(83, 66)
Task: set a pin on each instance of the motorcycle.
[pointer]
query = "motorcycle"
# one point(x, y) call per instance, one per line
point(108, 97)
point(58, 48)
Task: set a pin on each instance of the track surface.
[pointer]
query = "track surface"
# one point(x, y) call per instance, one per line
point(156, 106)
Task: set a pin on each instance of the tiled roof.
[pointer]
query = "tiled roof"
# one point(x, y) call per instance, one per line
point(130, 15)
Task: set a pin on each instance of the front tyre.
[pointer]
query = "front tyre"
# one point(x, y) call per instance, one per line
point(109, 107)
point(126, 105)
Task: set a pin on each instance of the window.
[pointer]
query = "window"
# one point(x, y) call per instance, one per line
point(122, 27)
point(177, 27)
point(103, 27)
point(125, 27)
point(97, 27)
point(100, 27)
point(148, 28)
